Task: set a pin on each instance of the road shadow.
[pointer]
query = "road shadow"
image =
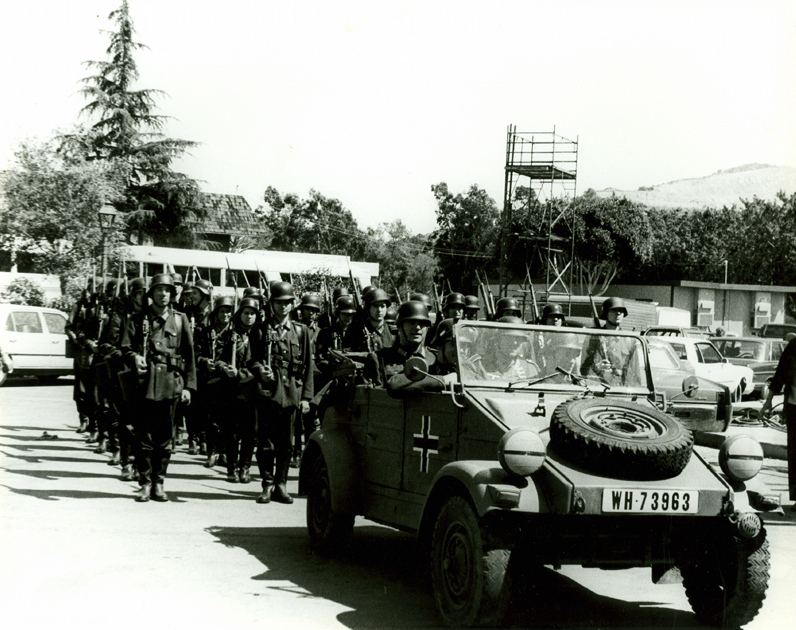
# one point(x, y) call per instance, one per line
point(35, 459)
point(31, 381)
point(55, 495)
point(383, 581)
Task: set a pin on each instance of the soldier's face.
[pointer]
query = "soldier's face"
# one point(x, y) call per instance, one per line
point(454, 312)
point(378, 311)
point(553, 320)
point(308, 316)
point(414, 331)
point(161, 295)
point(282, 308)
point(196, 296)
point(138, 300)
point(248, 316)
point(345, 319)
point(224, 314)
point(615, 316)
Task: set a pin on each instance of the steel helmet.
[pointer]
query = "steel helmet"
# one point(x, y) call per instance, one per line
point(223, 300)
point(248, 302)
point(455, 299)
point(367, 290)
point(392, 313)
point(253, 292)
point(570, 340)
point(413, 310)
point(311, 301)
point(136, 285)
point(162, 279)
point(508, 306)
point(471, 302)
point(339, 292)
point(282, 291)
point(376, 296)
point(513, 319)
point(611, 303)
point(421, 297)
point(345, 304)
point(110, 287)
point(551, 310)
point(203, 286)
point(177, 278)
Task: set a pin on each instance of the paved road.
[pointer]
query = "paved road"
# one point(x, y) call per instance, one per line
point(77, 551)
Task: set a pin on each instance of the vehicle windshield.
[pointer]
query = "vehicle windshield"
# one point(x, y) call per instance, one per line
point(743, 349)
point(518, 356)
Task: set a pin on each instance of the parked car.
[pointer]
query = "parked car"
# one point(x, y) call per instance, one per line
point(709, 363)
point(33, 342)
point(677, 331)
point(777, 331)
point(500, 475)
point(761, 354)
point(698, 403)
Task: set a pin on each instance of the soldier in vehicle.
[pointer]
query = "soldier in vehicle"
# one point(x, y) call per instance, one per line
point(158, 344)
point(508, 360)
point(561, 350)
point(425, 299)
point(471, 307)
point(413, 324)
point(610, 359)
point(235, 391)
point(282, 365)
point(444, 347)
point(373, 333)
point(208, 349)
point(196, 418)
point(454, 307)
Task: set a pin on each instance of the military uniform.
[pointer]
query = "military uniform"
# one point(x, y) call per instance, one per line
point(166, 343)
point(363, 337)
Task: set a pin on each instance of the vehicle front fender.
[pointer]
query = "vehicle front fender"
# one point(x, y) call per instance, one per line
point(488, 486)
point(344, 473)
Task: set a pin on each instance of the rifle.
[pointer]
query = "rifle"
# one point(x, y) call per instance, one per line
point(437, 301)
point(233, 335)
point(486, 295)
point(594, 314)
point(360, 310)
point(534, 306)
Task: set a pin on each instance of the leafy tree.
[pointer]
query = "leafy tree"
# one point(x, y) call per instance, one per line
point(158, 200)
point(406, 261)
point(52, 202)
point(466, 234)
point(24, 291)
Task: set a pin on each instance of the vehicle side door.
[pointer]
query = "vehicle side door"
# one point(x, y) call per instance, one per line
point(56, 331)
point(713, 366)
point(27, 343)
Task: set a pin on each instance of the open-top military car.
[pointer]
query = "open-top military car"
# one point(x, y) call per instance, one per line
point(543, 447)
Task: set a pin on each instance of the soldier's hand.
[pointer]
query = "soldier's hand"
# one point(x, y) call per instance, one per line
point(305, 406)
point(91, 345)
point(140, 364)
point(765, 410)
point(230, 371)
point(185, 396)
point(266, 373)
point(605, 366)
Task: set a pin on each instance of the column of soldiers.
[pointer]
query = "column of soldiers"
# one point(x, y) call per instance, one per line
point(241, 377)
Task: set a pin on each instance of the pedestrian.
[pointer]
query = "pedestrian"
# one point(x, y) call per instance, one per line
point(282, 365)
point(784, 382)
point(157, 343)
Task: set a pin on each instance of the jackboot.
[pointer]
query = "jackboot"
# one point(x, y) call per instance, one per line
point(212, 460)
point(232, 476)
point(142, 496)
point(280, 494)
point(127, 472)
point(203, 448)
point(244, 475)
point(265, 495)
point(83, 425)
point(158, 494)
point(116, 457)
point(92, 438)
point(193, 449)
point(102, 446)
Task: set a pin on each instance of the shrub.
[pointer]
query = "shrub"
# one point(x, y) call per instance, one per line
point(24, 291)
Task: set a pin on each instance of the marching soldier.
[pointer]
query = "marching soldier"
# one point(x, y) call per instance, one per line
point(282, 364)
point(158, 344)
point(306, 423)
point(196, 414)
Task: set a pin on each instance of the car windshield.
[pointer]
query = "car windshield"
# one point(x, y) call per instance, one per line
point(505, 355)
point(742, 349)
point(662, 357)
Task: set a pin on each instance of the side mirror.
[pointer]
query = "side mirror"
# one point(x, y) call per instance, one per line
point(415, 369)
point(690, 386)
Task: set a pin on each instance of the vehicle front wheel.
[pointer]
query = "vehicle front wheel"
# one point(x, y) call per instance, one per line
point(469, 580)
point(726, 578)
point(329, 531)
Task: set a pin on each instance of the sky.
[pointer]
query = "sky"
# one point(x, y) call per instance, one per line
point(372, 103)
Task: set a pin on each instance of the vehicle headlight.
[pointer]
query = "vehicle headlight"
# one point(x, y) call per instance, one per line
point(521, 452)
point(741, 457)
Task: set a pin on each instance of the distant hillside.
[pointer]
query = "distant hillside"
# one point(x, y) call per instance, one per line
point(723, 188)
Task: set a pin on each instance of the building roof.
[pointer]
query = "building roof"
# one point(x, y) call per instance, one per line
point(768, 288)
point(226, 214)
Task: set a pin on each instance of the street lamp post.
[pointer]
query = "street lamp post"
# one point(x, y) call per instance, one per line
point(107, 215)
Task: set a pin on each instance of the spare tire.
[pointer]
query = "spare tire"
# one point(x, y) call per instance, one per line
point(621, 439)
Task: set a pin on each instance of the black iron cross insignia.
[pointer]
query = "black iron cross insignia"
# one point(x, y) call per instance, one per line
point(425, 443)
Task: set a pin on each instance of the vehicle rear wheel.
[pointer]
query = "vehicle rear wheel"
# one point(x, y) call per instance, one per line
point(469, 580)
point(620, 438)
point(329, 531)
point(726, 578)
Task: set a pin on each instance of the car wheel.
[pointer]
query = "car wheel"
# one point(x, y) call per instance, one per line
point(620, 438)
point(469, 580)
point(329, 531)
point(726, 578)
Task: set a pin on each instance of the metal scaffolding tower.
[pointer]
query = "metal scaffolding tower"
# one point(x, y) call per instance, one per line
point(549, 162)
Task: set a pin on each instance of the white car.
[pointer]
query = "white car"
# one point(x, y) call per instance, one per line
point(709, 363)
point(33, 342)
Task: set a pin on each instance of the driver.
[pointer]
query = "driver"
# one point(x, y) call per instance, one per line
point(507, 361)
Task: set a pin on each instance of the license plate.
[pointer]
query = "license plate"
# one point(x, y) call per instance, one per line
point(635, 501)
